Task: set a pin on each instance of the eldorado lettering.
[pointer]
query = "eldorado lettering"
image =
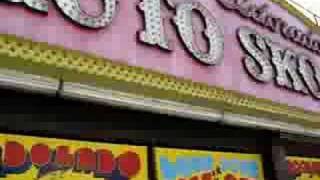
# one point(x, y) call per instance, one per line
point(102, 163)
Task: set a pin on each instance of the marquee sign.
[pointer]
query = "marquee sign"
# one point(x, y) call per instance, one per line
point(226, 43)
point(303, 168)
point(24, 157)
point(178, 164)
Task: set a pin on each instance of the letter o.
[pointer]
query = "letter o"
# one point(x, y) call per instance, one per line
point(183, 21)
point(40, 155)
point(72, 9)
point(129, 164)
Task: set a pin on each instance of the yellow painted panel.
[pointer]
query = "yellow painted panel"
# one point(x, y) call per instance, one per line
point(178, 164)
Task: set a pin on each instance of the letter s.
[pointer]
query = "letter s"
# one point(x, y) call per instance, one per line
point(257, 61)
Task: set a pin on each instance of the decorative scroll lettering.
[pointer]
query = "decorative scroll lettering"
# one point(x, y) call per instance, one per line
point(72, 9)
point(213, 33)
point(154, 32)
point(257, 62)
point(40, 5)
point(262, 14)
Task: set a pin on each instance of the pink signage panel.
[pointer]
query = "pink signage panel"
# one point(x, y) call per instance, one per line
point(118, 41)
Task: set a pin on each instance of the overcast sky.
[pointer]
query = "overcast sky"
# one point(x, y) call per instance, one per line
point(312, 5)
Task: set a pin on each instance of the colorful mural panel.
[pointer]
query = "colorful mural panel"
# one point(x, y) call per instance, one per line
point(29, 158)
point(303, 168)
point(177, 164)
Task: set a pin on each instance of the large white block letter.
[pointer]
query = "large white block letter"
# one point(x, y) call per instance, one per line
point(154, 33)
point(72, 9)
point(213, 33)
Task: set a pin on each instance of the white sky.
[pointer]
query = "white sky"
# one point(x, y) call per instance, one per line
point(311, 5)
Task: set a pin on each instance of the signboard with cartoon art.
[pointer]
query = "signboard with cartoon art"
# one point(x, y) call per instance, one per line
point(303, 168)
point(30, 158)
point(177, 164)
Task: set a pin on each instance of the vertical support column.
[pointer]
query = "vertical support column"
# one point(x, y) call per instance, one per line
point(274, 158)
point(280, 166)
